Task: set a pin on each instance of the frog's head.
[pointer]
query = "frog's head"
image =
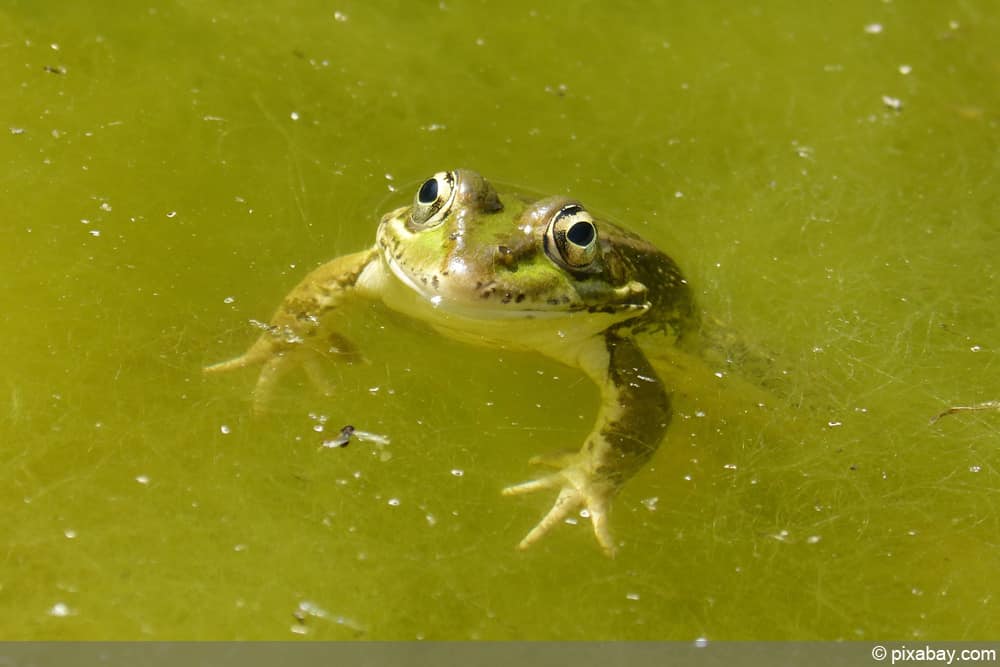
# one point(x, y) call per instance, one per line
point(466, 248)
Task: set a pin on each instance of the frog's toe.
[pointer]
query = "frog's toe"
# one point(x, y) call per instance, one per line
point(266, 381)
point(315, 372)
point(573, 495)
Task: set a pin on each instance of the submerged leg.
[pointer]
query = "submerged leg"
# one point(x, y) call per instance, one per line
point(632, 420)
point(292, 338)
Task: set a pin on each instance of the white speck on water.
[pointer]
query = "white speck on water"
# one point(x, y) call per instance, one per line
point(94, 232)
point(701, 642)
point(813, 539)
point(61, 610)
point(239, 547)
point(16, 130)
point(678, 195)
point(142, 479)
point(229, 299)
point(431, 519)
point(340, 17)
point(225, 430)
point(650, 503)
point(975, 348)
point(171, 214)
point(631, 596)
point(294, 115)
point(834, 424)
point(456, 472)
point(389, 177)
point(905, 69)
point(70, 534)
point(105, 206)
point(893, 103)
point(974, 468)
point(436, 300)
point(873, 28)
point(54, 46)
point(393, 502)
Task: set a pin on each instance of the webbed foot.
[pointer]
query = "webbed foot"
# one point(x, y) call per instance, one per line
point(578, 490)
point(278, 356)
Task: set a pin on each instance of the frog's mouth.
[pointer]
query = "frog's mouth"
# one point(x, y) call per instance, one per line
point(471, 305)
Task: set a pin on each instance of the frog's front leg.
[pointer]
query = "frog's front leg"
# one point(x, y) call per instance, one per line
point(291, 337)
point(633, 418)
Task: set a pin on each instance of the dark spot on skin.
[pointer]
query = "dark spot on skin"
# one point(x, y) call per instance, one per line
point(505, 257)
point(454, 235)
point(423, 279)
point(519, 299)
point(507, 297)
point(434, 281)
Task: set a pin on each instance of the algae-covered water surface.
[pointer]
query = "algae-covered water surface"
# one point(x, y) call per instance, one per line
point(825, 175)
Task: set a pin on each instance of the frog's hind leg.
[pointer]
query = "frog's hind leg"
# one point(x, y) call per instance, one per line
point(633, 417)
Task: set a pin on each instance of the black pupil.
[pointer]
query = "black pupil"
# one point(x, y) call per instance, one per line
point(581, 233)
point(428, 191)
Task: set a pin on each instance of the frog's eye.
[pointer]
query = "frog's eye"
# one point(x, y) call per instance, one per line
point(571, 237)
point(433, 200)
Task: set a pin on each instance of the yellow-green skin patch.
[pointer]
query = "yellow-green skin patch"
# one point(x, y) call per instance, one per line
point(509, 270)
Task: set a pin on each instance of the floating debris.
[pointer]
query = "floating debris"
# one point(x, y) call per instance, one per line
point(893, 103)
point(988, 405)
point(306, 609)
point(344, 438)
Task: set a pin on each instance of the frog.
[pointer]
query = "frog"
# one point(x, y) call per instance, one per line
point(507, 269)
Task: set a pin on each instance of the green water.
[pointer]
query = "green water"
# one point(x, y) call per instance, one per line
point(170, 170)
